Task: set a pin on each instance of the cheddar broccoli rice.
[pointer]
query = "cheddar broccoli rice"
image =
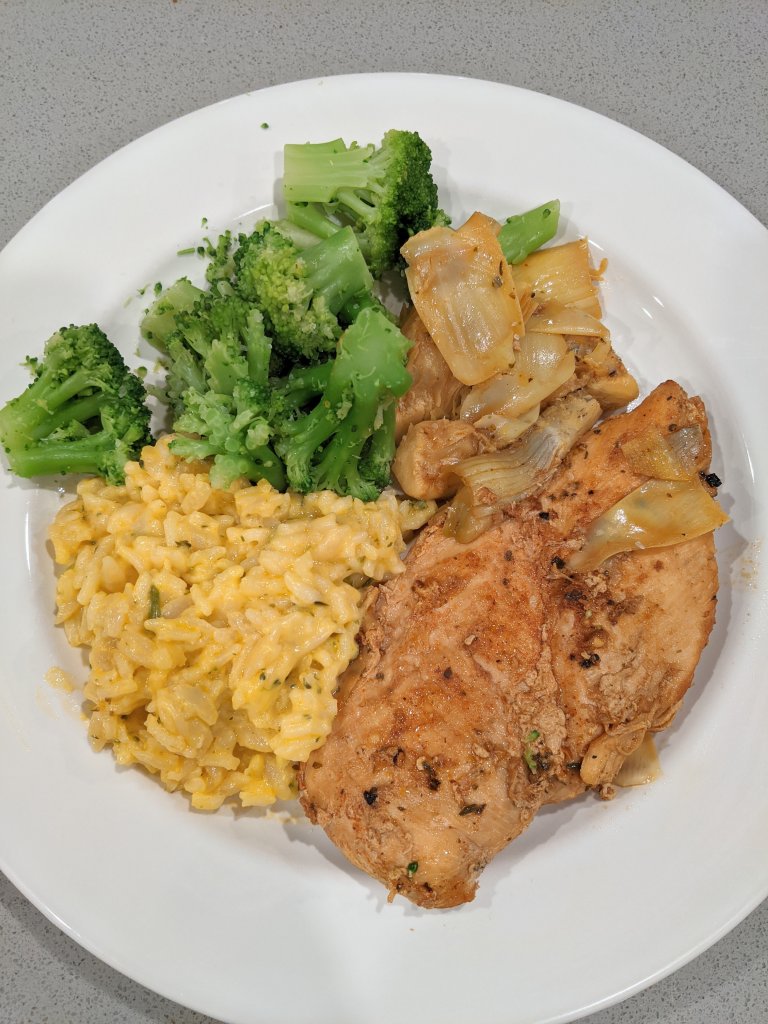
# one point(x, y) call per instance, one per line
point(218, 621)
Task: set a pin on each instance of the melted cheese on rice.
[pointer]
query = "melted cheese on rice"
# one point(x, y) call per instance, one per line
point(218, 622)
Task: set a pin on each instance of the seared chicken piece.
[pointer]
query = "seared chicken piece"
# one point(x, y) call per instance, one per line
point(490, 682)
point(435, 392)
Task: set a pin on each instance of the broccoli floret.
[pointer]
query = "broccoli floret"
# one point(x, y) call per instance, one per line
point(525, 233)
point(305, 239)
point(160, 319)
point(386, 194)
point(218, 363)
point(234, 430)
point(217, 343)
point(344, 441)
point(300, 292)
point(221, 264)
point(273, 304)
point(84, 412)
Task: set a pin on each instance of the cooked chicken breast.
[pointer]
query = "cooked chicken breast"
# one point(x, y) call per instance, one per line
point(489, 682)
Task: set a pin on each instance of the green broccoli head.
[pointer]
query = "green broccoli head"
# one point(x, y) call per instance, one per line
point(159, 321)
point(232, 429)
point(386, 194)
point(270, 274)
point(184, 372)
point(300, 292)
point(124, 431)
point(215, 344)
point(84, 412)
point(341, 443)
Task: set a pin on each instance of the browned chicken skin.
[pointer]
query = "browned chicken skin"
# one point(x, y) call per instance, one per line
point(490, 682)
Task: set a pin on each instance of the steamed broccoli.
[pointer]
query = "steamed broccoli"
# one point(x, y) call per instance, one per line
point(235, 430)
point(345, 442)
point(523, 234)
point(217, 367)
point(386, 194)
point(84, 412)
point(218, 342)
point(332, 423)
point(281, 298)
point(220, 263)
point(307, 290)
point(160, 319)
point(302, 293)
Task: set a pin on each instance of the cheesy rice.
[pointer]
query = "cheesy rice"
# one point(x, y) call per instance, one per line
point(218, 621)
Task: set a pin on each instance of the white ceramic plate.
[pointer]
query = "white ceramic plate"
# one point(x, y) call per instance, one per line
point(252, 921)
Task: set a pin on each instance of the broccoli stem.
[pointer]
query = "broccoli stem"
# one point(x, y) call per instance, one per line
point(222, 372)
point(304, 383)
point(311, 219)
point(313, 172)
point(264, 465)
point(49, 458)
point(312, 430)
point(524, 233)
point(344, 449)
point(188, 374)
point(258, 347)
point(336, 269)
point(381, 449)
point(351, 309)
point(359, 207)
point(28, 414)
point(80, 410)
point(306, 437)
point(366, 376)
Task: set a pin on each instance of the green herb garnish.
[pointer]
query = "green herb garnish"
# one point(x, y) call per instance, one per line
point(528, 756)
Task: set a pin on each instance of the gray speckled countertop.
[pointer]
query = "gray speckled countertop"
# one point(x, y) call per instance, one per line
point(80, 78)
